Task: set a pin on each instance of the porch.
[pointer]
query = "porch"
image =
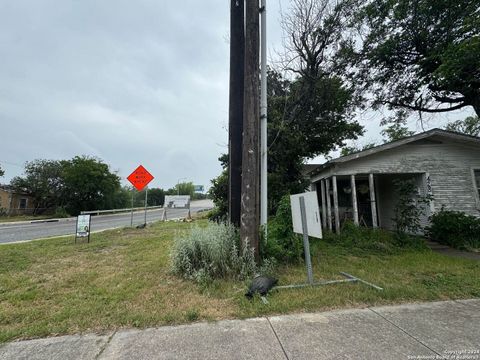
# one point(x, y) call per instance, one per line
point(365, 199)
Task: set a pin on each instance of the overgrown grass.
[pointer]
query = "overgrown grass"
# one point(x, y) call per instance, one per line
point(123, 279)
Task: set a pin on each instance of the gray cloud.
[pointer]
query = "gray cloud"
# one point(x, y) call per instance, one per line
point(131, 82)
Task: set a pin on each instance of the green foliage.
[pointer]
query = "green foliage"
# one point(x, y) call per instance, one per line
point(184, 188)
point(282, 244)
point(455, 229)
point(156, 197)
point(2, 172)
point(89, 185)
point(306, 117)
point(347, 150)
point(199, 196)
point(469, 126)
point(82, 183)
point(44, 181)
point(212, 252)
point(366, 241)
point(396, 129)
point(417, 54)
point(218, 192)
point(409, 207)
point(396, 132)
point(60, 212)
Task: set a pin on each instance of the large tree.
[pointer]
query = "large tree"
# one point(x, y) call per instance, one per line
point(89, 184)
point(43, 181)
point(418, 55)
point(2, 172)
point(82, 183)
point(298, 129)
point(310, 110)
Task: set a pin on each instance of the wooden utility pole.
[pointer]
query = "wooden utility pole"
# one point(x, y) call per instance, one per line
point(250, 209)
point(235, 121)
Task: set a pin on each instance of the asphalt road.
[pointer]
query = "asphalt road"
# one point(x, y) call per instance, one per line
point(25, 231)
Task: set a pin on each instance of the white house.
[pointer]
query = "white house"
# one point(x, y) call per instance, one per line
point(359, 186)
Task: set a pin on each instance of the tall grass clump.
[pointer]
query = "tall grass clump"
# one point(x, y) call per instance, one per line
point(212, 252)
point(373, 241)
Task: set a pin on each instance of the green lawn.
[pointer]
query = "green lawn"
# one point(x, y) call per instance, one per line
point(122, 279)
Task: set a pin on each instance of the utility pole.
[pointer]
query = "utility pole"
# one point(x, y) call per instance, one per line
point(250, 209)
point(263, 119)
point(235, 126)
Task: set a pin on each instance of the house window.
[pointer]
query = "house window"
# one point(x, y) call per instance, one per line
point(23, 203)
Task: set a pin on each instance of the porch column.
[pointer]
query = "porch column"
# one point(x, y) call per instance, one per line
point(354, 199)
point(335, 205)
point(324, 206)
point(373, 202)
point(329, 207)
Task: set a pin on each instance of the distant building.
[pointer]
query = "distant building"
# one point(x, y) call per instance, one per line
point(14, 203)
point(359, 187)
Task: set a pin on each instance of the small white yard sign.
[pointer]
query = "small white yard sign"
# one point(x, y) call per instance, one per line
point(312, 213)
point(177, 201)
point(83, 225)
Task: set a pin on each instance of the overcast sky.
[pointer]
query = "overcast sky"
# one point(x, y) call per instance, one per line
point(131, 82)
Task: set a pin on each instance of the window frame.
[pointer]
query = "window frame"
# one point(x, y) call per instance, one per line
point(475, 186)
point(20, 201)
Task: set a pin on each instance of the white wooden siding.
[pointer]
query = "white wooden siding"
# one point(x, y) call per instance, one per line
point(449, 165)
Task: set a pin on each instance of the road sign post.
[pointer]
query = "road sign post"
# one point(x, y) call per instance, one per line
point(146, 202)
point(140, 178)
point(131, 212)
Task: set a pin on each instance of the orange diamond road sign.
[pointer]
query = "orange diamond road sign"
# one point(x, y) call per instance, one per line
point(140, 177)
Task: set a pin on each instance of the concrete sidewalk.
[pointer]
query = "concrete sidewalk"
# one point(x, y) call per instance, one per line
point(439, 330)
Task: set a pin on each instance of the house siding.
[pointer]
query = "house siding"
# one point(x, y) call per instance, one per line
point(448, 164)
point(10, 203)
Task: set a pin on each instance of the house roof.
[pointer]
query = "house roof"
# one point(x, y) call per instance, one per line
point(455, 136)
point(10, 189)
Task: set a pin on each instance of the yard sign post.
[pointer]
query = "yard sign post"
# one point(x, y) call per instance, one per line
point(139, 178)
point(82, 228)
point(306, 243)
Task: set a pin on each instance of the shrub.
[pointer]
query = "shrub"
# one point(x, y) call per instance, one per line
point(454, 228)
point(409, 207)
point(282, 243)
point(212, 252)
point(366, 240)
point(60, 212)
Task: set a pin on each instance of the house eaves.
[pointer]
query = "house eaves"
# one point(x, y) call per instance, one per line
point(394, 144)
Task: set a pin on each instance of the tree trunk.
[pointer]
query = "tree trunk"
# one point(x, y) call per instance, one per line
point(235, 128)
point(250, 210)
point(476, 104)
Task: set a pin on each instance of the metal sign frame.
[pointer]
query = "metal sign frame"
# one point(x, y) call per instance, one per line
point(308, 261)
point(86, 230)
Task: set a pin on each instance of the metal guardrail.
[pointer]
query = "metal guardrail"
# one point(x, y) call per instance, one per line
point(113, 211)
